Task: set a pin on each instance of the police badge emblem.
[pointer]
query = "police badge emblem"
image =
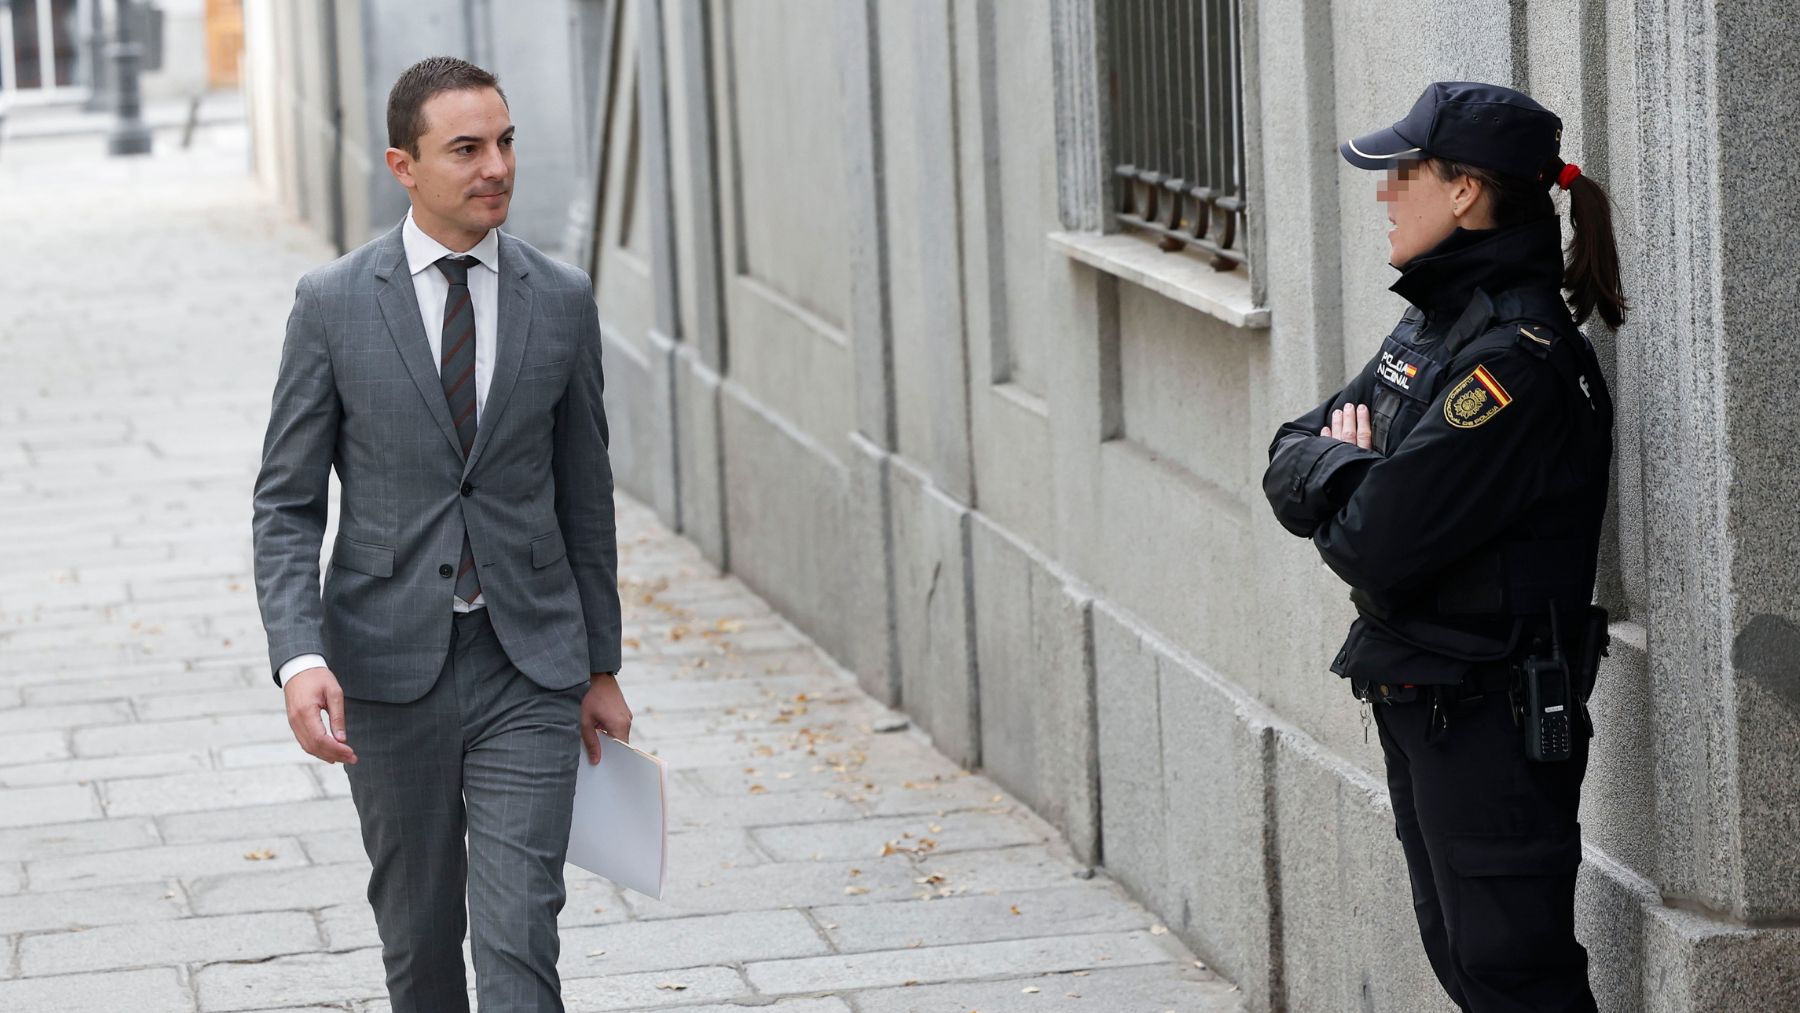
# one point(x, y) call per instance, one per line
point(1476, 399)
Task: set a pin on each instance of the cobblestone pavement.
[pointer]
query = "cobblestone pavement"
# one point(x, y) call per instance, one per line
point(165, 846)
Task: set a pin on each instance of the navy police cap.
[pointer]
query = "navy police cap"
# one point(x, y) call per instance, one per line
point(1484, 125)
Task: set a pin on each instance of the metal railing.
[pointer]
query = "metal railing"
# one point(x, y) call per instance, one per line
point(1178, 123)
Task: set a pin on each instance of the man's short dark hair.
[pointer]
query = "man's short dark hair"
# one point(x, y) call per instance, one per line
point(417, 84)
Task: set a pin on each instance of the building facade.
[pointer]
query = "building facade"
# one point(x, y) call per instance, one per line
point(890, 334)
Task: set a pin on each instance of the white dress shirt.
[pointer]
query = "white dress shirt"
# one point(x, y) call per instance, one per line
point(432, 288)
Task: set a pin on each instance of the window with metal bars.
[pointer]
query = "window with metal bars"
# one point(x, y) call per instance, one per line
point(1178, 124)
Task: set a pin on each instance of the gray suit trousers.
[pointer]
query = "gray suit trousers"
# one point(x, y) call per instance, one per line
point(492, 753)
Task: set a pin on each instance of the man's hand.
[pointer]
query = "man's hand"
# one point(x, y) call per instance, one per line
point(1351, 425)
point(308, 693)
point(604, 709)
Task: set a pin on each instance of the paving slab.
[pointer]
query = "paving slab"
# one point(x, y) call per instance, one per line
point(674, 943)
point(213, 789)
point(918, 834)
point(297, 887)
point(49, 718)
point(59, 803)
point(1007, 958)
point(292, 981)
point(32, 747)
point(1151, 988)
point(105, 768)
point(1014, 914)
point(181, 941)
point(287, 819)
point(137, 904)
point(63, 840)
point(155, 990)
point(168, 861)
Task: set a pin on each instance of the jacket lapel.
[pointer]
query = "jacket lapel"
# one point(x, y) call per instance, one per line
point(400, 310)
point(514, 327)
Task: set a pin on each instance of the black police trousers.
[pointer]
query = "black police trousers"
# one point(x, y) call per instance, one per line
point(1492, 846)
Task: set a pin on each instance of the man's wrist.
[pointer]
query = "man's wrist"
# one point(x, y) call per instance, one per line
point(297, 664)
point(601, 675)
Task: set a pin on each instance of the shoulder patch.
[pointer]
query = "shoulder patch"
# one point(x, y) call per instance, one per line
point(1476, 399)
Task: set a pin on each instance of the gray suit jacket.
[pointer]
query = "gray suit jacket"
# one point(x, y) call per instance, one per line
point(358, 391)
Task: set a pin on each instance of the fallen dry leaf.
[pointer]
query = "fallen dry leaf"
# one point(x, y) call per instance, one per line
point(259, 855)
point(1159, 930)
point(856, 891)
point(672, 986)
point(1015, 909)
point(757, 789)
point(1030, 990)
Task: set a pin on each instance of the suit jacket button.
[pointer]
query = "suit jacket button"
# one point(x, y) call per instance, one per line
point(467, 489)
point(445, 570)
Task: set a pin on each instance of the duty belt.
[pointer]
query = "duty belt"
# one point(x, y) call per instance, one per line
point(1482, 679)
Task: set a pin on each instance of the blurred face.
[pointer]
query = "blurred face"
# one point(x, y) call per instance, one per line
point(1423, 210)
point(461, 182)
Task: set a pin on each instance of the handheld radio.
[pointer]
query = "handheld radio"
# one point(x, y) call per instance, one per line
point(1549, 701)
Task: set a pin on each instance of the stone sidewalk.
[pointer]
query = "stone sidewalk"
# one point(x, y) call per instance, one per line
point(164, 845)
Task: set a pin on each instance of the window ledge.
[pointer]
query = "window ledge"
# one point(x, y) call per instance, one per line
point(1222, 294)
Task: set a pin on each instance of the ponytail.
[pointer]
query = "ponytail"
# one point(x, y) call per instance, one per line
point(1591, 273)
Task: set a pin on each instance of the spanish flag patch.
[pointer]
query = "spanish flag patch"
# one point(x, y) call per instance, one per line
point(1476, 399)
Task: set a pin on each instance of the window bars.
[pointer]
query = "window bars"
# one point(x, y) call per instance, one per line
point(1178, 123)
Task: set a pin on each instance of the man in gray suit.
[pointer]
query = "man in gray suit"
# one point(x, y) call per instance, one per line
point(470, 615)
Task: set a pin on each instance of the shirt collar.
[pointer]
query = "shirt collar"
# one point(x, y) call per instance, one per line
point(422, 251)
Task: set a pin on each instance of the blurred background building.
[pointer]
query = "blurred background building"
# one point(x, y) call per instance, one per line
point(959, 330)
point(53, 51)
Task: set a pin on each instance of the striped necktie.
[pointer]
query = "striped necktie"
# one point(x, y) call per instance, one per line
point(456, 368)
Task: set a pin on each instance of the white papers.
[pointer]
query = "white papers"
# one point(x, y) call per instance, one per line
point(621, 828)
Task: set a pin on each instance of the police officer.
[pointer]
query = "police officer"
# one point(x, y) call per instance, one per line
point(1457, 484)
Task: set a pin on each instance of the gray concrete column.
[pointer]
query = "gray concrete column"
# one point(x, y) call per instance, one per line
point(939, 209)
point(661, 338)
point(704, 353)
point(1758, 56)
point(857, 41)
point(1083, 179)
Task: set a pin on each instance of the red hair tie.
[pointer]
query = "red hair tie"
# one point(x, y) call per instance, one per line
point(1567, 175)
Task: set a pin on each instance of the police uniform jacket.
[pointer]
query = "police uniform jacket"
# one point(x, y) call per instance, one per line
point(1481, 501)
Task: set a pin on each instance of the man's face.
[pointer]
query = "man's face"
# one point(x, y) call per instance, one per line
point(462, 179)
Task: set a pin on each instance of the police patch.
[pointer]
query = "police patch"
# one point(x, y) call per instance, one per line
point(1476, 399)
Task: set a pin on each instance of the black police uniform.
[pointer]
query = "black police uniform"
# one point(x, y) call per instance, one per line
point(1476, 514)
